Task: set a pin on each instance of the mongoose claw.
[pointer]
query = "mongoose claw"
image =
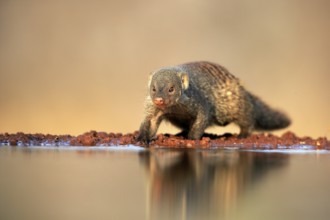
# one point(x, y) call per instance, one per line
point(143, 139)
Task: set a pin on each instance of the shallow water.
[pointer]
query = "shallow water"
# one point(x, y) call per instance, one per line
point(132, 183)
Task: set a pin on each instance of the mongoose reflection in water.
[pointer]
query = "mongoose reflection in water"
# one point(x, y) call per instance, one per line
point(194, 96)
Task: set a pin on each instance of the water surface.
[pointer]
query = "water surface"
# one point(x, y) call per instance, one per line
point(132, 183)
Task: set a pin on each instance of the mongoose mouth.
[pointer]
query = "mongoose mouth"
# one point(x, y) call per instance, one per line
point(162, 106)
point(159, 102)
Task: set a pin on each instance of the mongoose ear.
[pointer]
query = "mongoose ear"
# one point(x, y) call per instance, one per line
point(150, 78)
point(184, 80)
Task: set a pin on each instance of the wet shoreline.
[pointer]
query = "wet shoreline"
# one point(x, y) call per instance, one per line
point(260, 141)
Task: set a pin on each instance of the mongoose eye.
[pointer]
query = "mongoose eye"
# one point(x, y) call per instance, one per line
point(171, 90)
point(154, 89)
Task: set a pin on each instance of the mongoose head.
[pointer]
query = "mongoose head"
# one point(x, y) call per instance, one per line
point(166, 87)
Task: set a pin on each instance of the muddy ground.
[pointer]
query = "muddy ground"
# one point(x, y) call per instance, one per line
point(93, 138)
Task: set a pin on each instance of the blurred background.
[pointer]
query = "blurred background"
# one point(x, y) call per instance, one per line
point(71, 66)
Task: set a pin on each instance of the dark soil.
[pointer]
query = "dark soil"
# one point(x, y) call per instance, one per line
point(256, 141)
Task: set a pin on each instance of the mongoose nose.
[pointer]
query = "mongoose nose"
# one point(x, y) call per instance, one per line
point(159, 101)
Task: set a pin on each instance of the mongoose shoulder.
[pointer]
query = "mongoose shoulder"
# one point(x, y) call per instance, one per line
point(194, 96)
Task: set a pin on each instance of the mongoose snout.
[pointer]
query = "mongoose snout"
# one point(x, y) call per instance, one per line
point(159, 102)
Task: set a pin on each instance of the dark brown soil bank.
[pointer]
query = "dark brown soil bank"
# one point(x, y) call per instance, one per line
point(256, 141)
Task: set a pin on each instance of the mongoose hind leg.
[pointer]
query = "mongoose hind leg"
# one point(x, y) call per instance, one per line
point(246, 125)
point(244, 132)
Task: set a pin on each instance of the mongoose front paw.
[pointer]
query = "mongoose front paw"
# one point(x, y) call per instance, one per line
point(143, 138)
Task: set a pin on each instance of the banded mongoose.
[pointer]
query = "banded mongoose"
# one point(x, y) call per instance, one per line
point(194, 96)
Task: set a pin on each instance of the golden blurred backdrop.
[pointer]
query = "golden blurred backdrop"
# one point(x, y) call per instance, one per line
point(71, 66)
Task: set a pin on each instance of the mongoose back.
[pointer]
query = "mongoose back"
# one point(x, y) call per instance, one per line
point(194, 96)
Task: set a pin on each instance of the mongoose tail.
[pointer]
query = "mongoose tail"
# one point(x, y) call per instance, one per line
point(267, 118)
